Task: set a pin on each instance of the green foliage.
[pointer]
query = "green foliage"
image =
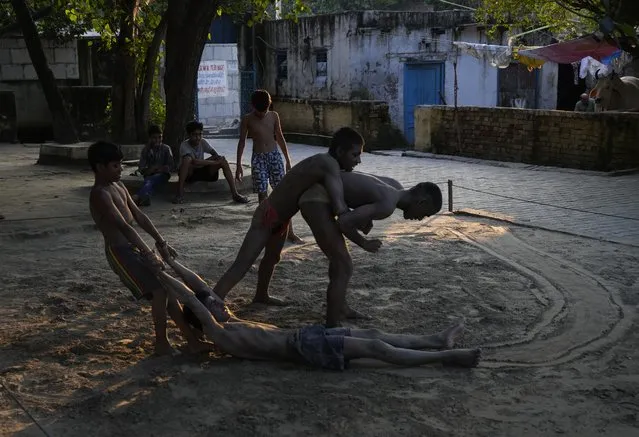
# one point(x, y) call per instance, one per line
point(568, 18)
point(157, 106)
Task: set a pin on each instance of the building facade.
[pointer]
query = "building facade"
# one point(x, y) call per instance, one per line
point(403, 58)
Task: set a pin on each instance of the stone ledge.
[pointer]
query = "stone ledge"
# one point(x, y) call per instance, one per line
point(76, 154)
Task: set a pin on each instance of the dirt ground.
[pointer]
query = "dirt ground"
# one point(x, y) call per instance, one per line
point(554, 314)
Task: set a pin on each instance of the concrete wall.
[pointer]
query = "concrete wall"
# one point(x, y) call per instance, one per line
point(596, 141)
point(15, 62)
point(367, 52)
point(18, 75)
point(320, 117)
point(223, 110)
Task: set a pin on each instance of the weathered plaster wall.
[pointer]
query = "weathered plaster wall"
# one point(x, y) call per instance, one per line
point(367, 52)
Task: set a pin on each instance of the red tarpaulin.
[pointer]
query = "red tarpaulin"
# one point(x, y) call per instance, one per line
point(572, 51)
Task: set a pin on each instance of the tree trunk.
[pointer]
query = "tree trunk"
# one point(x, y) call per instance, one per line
point(63, 129)
point(189, 22)
point(123, 128)
point(145, 87)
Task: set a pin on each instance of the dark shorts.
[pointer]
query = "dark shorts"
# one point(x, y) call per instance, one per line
point(319, 346)
point(129, 265)
point(203, 174)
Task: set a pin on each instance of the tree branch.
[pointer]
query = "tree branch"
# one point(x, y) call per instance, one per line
point(36, 15)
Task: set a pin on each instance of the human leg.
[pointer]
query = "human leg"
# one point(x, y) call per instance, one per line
point(185, 170)
point(158, 313)
point(259, 175)
point(275, 171)
point(442, 340)
point(272, 255)
point(377, 349)
point(151, 183)
point(329, 238)
point(230, 179)
point(255, 240)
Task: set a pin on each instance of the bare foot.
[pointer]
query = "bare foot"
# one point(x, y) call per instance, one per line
point(270, 300)
point(238, 198)
point(198, 347)
point(164, 349)
point(352, 314)
point(449, 335)
point(462, 358)
point(294, 238)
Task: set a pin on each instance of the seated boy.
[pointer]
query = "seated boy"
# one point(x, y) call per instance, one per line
point(114, 212)
point(156, 164)
point(267, 166)
point(270, 221)
point(313, 345)
point(372, 198)
point(193, 167)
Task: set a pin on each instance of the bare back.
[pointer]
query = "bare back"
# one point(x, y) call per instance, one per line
point(119, 199)
point(362, 189)
point(262, 130)
point(315, 169)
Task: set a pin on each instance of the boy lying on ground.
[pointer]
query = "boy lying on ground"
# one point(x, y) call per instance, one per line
point(312, 345)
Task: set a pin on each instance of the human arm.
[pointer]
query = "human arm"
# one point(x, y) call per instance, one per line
point(241, 144)
point(143, 164)
point(211, 327)
point(169, 164)
point(362, 218)
point(142, 219)
point(281, 141)
point(110, 216)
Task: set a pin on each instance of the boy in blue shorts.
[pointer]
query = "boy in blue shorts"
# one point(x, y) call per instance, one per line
point(267, 165)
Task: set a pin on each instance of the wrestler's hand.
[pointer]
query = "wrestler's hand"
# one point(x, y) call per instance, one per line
point(367, 227)
point(239, 173)
point(371, 245)
point(153, 261)
point(165, 250)
point(288, 166)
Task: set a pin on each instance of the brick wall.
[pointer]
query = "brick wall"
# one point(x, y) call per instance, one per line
point(15, 62)
point(323, 117)
point(594, 141)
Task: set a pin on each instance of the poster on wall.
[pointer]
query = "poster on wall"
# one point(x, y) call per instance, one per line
point(211, 79)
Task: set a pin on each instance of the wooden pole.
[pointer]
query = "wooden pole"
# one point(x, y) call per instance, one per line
point(450, 195)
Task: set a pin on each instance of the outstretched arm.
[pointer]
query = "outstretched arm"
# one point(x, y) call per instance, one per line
point(192, 279)
point(214, 330)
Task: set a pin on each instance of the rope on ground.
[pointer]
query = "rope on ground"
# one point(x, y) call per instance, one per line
point(503, 196)
point(17, 401)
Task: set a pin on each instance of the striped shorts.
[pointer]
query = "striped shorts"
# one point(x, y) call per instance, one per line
point(127, 262)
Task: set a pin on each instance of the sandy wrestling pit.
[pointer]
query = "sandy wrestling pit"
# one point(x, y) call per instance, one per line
point(554, 315)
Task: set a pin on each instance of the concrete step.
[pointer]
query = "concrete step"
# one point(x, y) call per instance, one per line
point(76, 154)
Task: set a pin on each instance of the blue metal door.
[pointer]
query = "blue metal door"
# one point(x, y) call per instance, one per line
point(423, 85)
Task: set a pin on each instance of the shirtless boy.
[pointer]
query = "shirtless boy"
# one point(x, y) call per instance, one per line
point(372, 198)
point(193, 167)
point(315, 345)
point(270, 220)
point(114, 211)
point(267, 166)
